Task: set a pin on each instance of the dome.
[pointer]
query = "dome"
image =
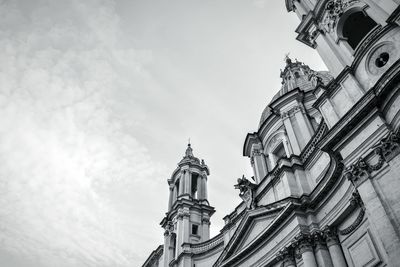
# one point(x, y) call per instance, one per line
point(296, 75)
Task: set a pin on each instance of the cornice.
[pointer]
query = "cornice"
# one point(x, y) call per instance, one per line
point(154, 256)
point(332, 86)
point(251, 138)
point(188, 204)
point(348, 122)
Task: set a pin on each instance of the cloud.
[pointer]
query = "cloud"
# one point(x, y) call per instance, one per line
point(69, 85)
point(260, 3)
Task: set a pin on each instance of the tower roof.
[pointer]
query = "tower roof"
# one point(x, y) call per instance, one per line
point(295, 75)
point(189, 157)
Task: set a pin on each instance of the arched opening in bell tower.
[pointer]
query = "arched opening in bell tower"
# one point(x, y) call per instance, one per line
point(194, 191)
point(355, 27)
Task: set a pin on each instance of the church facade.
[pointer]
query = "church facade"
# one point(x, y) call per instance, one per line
point(326, 157)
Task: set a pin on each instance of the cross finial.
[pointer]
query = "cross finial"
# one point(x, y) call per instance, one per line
point(287, 58)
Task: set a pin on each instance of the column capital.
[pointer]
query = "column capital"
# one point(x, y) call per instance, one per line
point(330, 235)
point(286, 255)
point(319, 240)
point(303, 242)
point(183, 214)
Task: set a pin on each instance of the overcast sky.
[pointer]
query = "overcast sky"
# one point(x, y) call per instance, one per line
point(97, 102)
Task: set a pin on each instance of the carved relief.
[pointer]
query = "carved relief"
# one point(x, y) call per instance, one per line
point(386, 149)
point(355, 200)
point(286, 255)
point(169, 228)
point(389, 147)
point(334, 10)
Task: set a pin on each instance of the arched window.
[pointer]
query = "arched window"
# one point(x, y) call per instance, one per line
point(356, 26)
point(297, 75)
point(279, 152)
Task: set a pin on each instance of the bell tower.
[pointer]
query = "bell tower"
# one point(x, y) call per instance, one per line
point(188, 218)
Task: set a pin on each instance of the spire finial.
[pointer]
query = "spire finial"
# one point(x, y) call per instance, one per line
point(189, 150)
point(287, 58)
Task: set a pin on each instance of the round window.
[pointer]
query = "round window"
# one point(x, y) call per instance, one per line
point(382, 59)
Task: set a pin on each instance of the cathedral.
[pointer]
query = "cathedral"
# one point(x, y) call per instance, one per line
point(325, 156)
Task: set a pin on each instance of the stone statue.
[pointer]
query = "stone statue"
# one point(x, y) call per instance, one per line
point(246, 189)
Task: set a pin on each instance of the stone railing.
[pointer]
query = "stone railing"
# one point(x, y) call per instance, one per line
point(207, 245)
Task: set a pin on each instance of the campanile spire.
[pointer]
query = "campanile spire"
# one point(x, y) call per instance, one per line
point(188, 218)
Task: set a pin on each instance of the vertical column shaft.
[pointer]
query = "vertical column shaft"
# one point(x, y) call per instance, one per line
point(307, 254)
point(188, 182)
point(335, 250)
point(166, 248)
point(205, 230)
point(292, 136)
point(199, 187)
point(171, 197)
point(182, 184)
point(204, 185)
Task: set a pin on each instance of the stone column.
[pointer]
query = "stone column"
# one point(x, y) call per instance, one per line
point(322, 254)
point(204, 182)
point(169, 244)
point(166, 248)
point(288, 150)
point(206, 229)
point(183, 229)
point(260, 166)
point(175, 195)
point(334, 248)
point(290, 132)
point(305, 249)
point(171, 197)
point(188, 183)
point(304, 124)
point(199, 187)
point(182, 184)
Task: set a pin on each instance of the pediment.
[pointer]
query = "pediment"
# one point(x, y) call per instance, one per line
point(255, 229)
point(250, 228)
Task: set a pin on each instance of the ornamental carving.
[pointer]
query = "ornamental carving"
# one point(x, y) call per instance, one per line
point(334, 10)
point(386, 150)
point(330, 235)
point(287, 114)
point(286, 255)
point(355, 200)
point(303, 243)
point(247, 191)
point(183, 213)
point(169, 228)
point(389, 147)
point(315, 79)
point(358, 170)
point(355, 224)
